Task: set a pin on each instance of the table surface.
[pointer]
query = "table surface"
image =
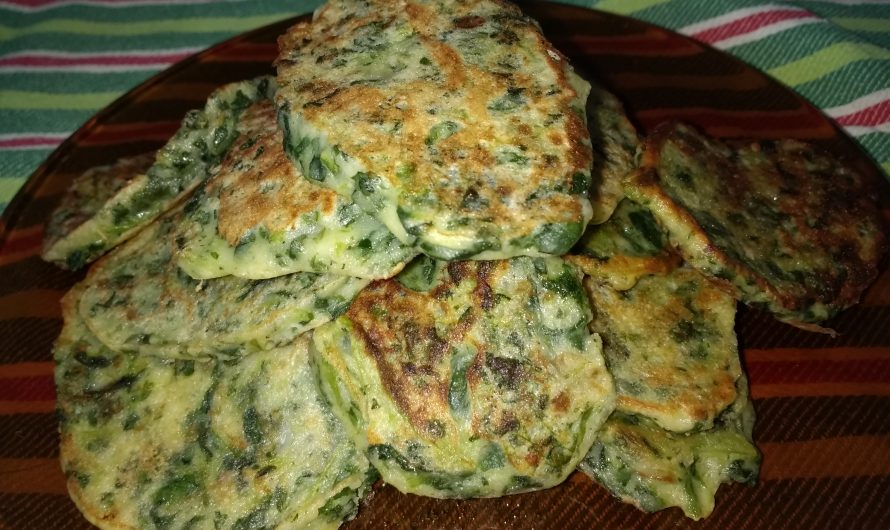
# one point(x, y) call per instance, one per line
point(824, 404)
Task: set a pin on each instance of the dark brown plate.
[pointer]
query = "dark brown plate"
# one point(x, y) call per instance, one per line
point(823, 404)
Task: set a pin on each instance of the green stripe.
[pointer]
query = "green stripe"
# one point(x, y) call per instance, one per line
point(91, 43)
point(28, 120)
point(881, 25)
point(878, 145)
point(171, 10)
point(182, 25)
point(624, 7)
point(8, 187)
point(774, 50)
point(668, 15)
point(28, 81)
point(825, 61)
point(836, 89)
point(18, 99)
point(829, 10)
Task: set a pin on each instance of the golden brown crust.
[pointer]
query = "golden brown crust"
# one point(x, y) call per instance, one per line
point(403, 331)
point(623, 272)
point(260, 185)
point(484, 374)
point(516, 153)
point(670, 345)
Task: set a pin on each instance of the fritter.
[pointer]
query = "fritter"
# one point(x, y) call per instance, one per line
point(625, 248)
point(670, 345)
point(259, 218)
point(777, 223)
point(456, 124)
point(616, 147)
point(87, 224)
point(652, 468)
point(486, 384)
point(148, 443)
point(74, 224)
point(137, 299)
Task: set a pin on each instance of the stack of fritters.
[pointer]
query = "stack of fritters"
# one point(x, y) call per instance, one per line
point(293, 317)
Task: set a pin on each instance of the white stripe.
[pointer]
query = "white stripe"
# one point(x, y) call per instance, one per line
point(11, 6)
point(862, 130)
point(764, 32)
point(858, 104)
point(41, 147)
point(851, 2)
point(48, 141)
point(95, 68)
point(51, 135)
point(86, 68)
point(76, 55)
point(732, 16)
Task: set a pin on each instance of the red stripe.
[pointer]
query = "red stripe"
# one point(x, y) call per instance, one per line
point(39, 388)
point(750, 23)
point(28, 242)
point(30, 141)
point(875, 115)
point(859, 371)
point(36, 60)
point(30, 3)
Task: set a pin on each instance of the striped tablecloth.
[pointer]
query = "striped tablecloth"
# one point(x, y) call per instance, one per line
point(62, 60)
point(824, 404)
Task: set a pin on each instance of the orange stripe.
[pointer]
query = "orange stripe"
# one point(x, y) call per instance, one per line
point(35, 303)
point(817, 354)
point(32, 475)
point(12, 371)
point(21, 243)
point(8, 408)
point(24, 241)
point(848, 456)
point(19, 234)
point(7, 258)
point(653, 42)
point(55, 185)
point(776, 390)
